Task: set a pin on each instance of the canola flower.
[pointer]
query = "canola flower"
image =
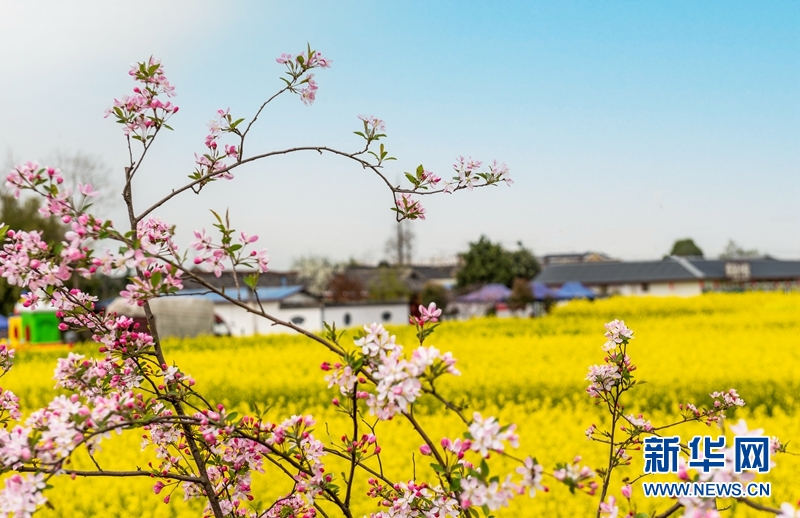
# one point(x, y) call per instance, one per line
point(530, 372)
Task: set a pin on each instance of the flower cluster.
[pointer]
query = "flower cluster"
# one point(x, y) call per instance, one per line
point(411, 499)
point(494, 494)
point(296, 67)
point(639, 423)
point(229, 252)
point(399, 381)
point(143, 113)
point(616, 373)
point(409, 208)
point(211, 164)
point(469, 174)
point(22, 495)
point(575, 476)
point(616, 333)
point(91, 377)
point(487, 435)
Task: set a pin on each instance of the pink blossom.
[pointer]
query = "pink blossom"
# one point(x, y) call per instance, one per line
point(616, 333)
point(87, 190)
point(431, 313)
point(487, 435)
point(22, 495)
point(609, 509)
point(409, 208)
point(531, 476)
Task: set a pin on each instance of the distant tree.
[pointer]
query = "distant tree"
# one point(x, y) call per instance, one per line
point(343, 288)
point(523, 263)
point(686, 247)
point(316, 272)
point(400, 247)
point(734, 251)
point(387, 286)
point(486, 262)
point(521, 294)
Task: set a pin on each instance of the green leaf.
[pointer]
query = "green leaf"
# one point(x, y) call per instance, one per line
point(251, 280)
point(217, 216)
point(437, 468)
point(484, 469)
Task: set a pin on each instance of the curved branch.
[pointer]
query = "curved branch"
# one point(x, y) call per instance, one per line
point(135, 473)
point(319, 149)
point(758, 506)
point(675, 507)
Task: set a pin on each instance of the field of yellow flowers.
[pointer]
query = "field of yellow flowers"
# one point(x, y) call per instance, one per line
point(527, 371)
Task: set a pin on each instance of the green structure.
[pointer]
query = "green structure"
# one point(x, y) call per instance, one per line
point(40, 327)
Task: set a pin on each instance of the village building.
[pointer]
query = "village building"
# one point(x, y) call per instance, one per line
point(677, 276)
point(293, 304)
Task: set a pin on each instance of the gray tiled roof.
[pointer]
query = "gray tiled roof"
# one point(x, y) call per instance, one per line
point(615, 273)
point(671, 269)
point(761, 269)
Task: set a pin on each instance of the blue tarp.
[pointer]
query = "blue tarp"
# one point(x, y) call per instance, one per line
point(489, 293)
point(3, 322)
point(574, 290)
point(541, 291)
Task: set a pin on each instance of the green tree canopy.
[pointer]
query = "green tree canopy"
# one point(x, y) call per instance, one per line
point(486, 262)
point(523, 263)
point(686, 247)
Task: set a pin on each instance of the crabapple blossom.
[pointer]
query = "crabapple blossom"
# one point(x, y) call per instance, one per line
point(493, 495)
point(639, 422)
point(22, 495)
point(531, 476)
point(376, 340)
point(409, 208)
point(609, 508)
point(142, 114)
point(616, 333)
point(9, 403)
point(487, 435)
point(431, 313)
point(603, 378)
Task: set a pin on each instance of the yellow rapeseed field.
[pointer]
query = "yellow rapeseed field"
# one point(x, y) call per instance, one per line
point(527, 371)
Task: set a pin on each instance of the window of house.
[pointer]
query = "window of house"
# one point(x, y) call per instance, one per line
point(347, 319)
point(298, 320)
point(386, 316)
point(645, 287)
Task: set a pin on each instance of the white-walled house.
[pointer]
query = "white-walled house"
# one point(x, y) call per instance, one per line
point(292, 304)
point(676, 276)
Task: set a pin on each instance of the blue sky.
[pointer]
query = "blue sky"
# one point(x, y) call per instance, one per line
point(626, 125)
